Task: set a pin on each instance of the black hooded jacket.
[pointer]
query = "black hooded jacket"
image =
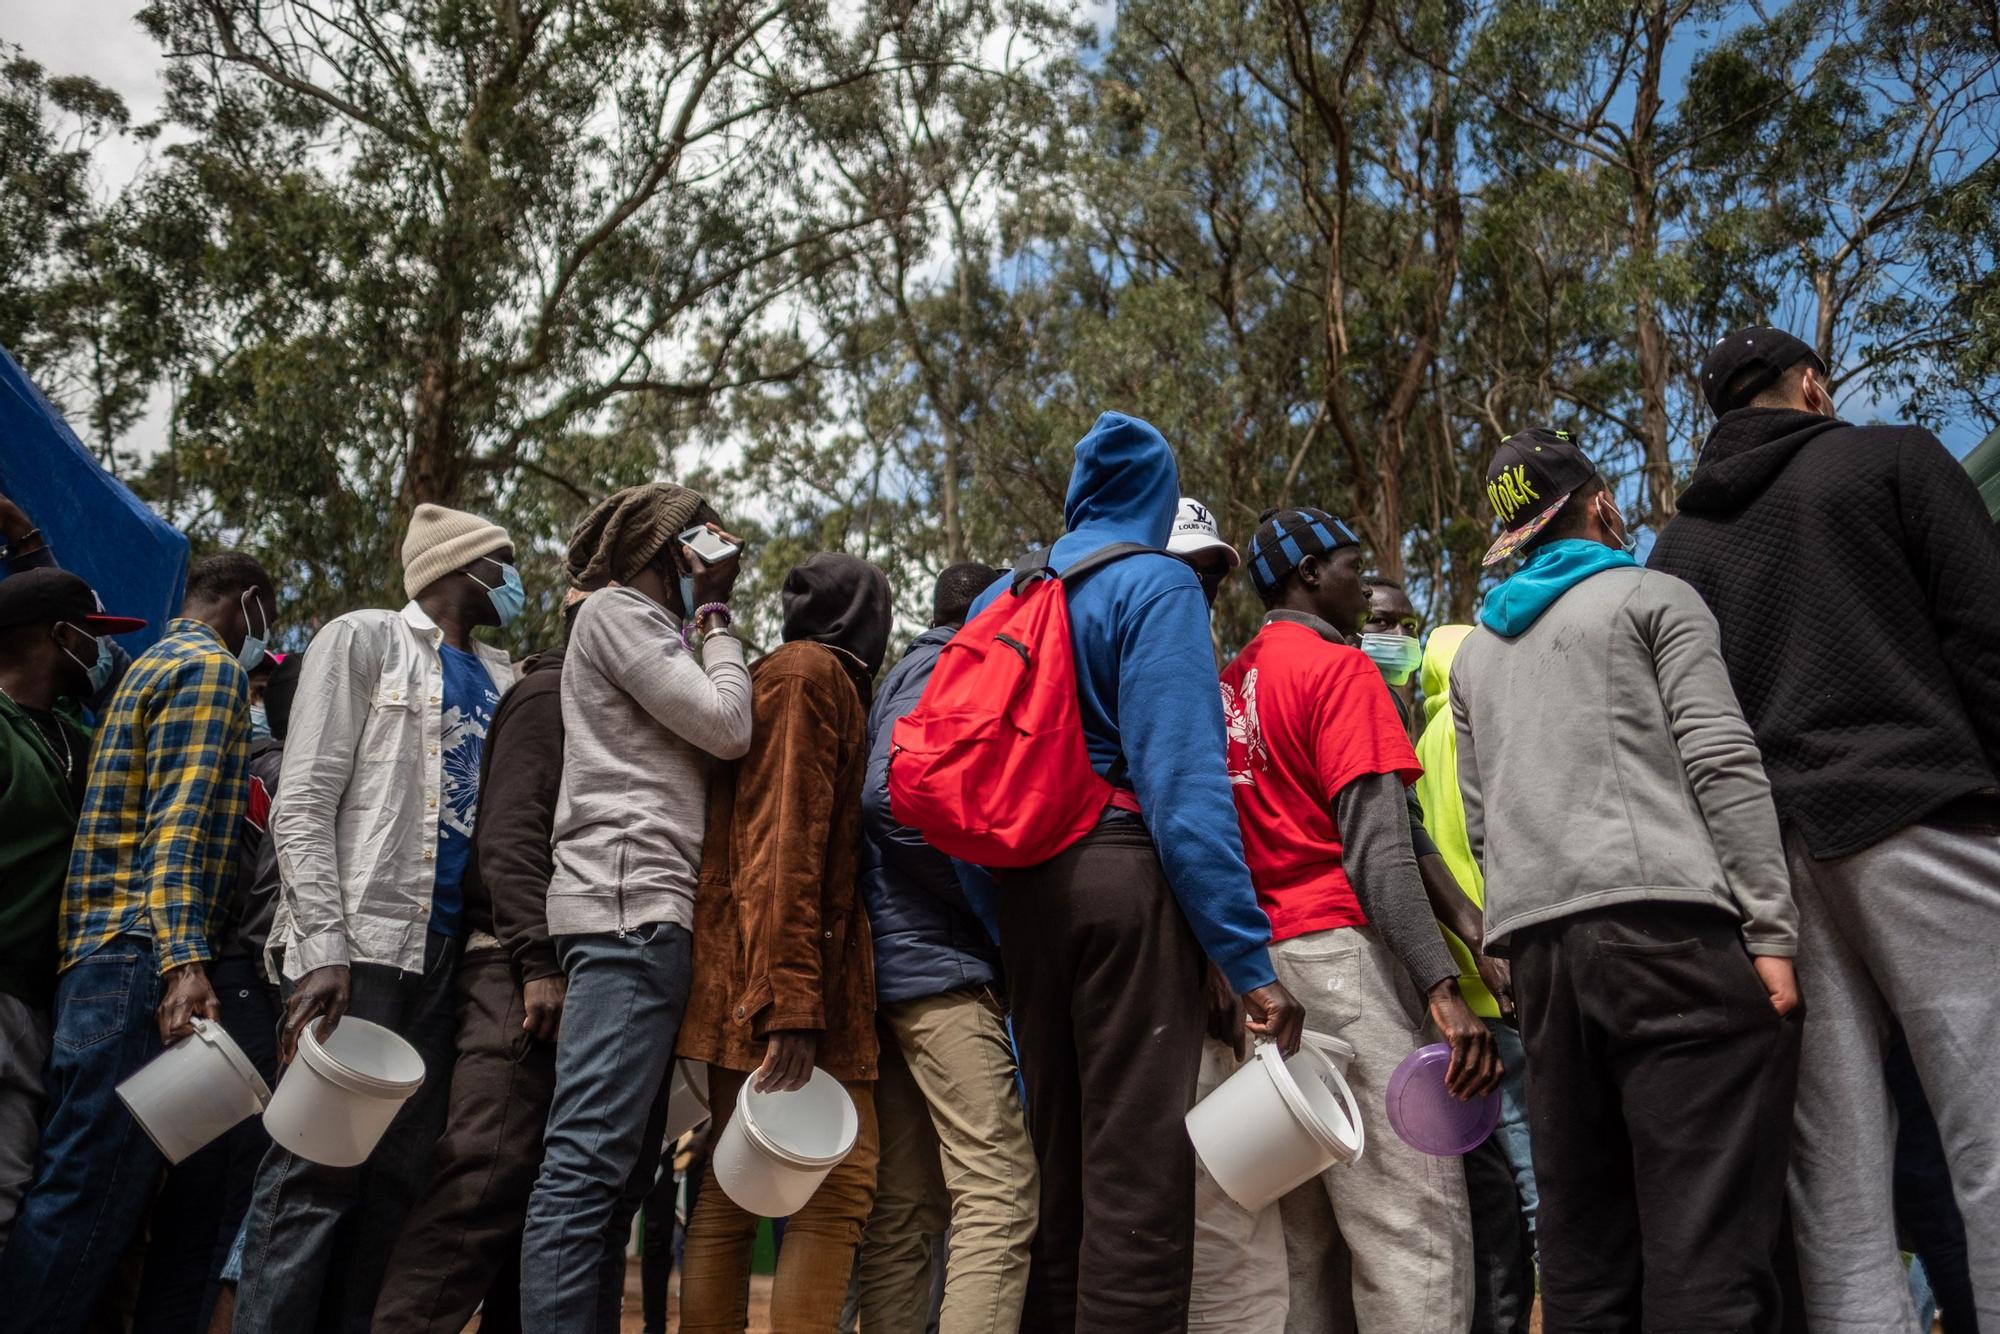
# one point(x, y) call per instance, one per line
point(1856, 578)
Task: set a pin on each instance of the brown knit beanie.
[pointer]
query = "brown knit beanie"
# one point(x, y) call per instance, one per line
point(628, 530)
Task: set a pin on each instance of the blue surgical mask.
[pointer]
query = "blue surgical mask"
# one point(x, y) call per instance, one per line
point(510, 599)
point(1396, 656)
point(98, 671)
point(260, 723)
point(687, 596)
point(254, 646)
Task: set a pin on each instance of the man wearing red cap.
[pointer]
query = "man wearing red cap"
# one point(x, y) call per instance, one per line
point(50, 623)
point(150, 861)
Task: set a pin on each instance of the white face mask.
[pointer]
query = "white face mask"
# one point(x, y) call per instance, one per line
point(1626, 542)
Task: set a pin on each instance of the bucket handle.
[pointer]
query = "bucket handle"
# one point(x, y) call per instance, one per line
point(1330, 1048)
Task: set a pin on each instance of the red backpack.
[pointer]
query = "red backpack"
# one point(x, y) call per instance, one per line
point(991, 766)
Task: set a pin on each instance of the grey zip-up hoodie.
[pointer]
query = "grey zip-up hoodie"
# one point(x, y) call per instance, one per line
point(1604, 760)
point(642, 719)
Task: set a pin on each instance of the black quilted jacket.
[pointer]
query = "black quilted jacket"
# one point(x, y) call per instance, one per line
point(1856, 578)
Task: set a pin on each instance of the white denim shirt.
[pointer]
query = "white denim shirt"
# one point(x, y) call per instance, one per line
point(355, 821)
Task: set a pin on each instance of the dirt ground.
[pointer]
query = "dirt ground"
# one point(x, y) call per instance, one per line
point(634, 1322)
point(760, 1307)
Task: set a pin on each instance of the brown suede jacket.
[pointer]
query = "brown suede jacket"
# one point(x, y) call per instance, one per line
point(780, 940)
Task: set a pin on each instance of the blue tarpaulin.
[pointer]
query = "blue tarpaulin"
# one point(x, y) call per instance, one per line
point(134, 559)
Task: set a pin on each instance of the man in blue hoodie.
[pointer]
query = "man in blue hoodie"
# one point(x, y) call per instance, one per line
point(955, 1147)
point(1616, 802)
point(1104, 944)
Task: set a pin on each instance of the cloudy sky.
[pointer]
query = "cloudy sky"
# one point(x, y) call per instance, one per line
point(99, 38)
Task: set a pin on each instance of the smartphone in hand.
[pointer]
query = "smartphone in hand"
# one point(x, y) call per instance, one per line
point(711, 546)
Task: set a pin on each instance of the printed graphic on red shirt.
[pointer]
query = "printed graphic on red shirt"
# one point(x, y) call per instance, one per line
point(1239, 709)
point(1306, 717)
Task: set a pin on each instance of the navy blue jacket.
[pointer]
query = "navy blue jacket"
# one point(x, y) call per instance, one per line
point(927, 940)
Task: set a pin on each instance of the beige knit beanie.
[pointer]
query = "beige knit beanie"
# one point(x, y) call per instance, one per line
point(440, 540)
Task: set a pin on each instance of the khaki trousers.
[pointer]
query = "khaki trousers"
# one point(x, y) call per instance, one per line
point(955, 1152)
point(816, 1259)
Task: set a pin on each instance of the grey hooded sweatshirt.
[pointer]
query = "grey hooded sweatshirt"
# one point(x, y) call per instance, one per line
point(1604, 760)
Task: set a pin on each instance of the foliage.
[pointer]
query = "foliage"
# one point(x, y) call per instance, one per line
point(866, 272)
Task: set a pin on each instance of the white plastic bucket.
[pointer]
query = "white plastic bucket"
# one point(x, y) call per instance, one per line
point(1276, 1124)
point(778, 1147)
point(194, 1090)
point(687, 1098)
point(336, 1099)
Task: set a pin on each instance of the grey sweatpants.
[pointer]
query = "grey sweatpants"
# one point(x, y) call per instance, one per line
point(1909, 928)
point(1403, 1215)
point(24, 1050)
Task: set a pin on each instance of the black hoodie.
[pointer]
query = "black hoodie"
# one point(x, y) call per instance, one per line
point(520, 776)
point(1856, 578)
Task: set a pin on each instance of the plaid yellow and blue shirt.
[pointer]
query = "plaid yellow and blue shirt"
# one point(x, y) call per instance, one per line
point(154, 846)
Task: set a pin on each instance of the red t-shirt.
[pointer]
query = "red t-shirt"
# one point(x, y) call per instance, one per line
point(1306, 718)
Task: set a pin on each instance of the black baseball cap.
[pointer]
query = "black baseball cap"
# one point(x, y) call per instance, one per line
point(1532, 474)
point(1286, 537)
point(1771, 351)
point(45, 596)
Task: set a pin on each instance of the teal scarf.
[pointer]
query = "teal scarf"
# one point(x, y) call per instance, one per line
point(1558, 567)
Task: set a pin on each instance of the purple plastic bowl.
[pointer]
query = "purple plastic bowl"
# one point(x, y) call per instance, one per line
point(1426, 1117)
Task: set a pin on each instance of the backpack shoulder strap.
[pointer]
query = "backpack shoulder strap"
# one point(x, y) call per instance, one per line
point(1102, 557)
point(1036, 563)
point(1029, 568)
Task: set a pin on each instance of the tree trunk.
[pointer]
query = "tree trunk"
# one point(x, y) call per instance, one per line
point(1651, 338)
point(436, 467)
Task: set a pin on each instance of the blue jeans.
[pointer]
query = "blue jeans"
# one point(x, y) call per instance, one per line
point(1512, 1132)
point(96, 1169)
point(620, 1021)
point(319, 1237)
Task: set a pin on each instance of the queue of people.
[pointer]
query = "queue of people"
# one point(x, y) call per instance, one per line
point(1692, 864)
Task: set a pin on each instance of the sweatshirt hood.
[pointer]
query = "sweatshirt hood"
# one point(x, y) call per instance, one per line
point(1551, 572)
point(1434, 675)
point(841, 601)
point(1125, 487)
point(543, 660)
point(1744, 451)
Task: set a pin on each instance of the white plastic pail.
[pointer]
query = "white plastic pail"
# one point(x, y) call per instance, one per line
point(778, 1147)
point(1276, 1124)
point(194, 1090)
point(336, 1099)
point(687, 1098)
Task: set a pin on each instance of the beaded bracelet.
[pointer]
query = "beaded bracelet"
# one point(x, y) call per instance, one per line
point(691, 627)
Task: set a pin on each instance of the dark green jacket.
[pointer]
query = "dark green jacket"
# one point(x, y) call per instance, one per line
point(38, 811)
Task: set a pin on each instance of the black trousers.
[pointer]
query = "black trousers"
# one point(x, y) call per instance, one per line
point(1503, 1251)
point(1105, 980)
point(462, 1242)
point(319, 1237)
point(1927, 1215)
point(1660, 1086)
